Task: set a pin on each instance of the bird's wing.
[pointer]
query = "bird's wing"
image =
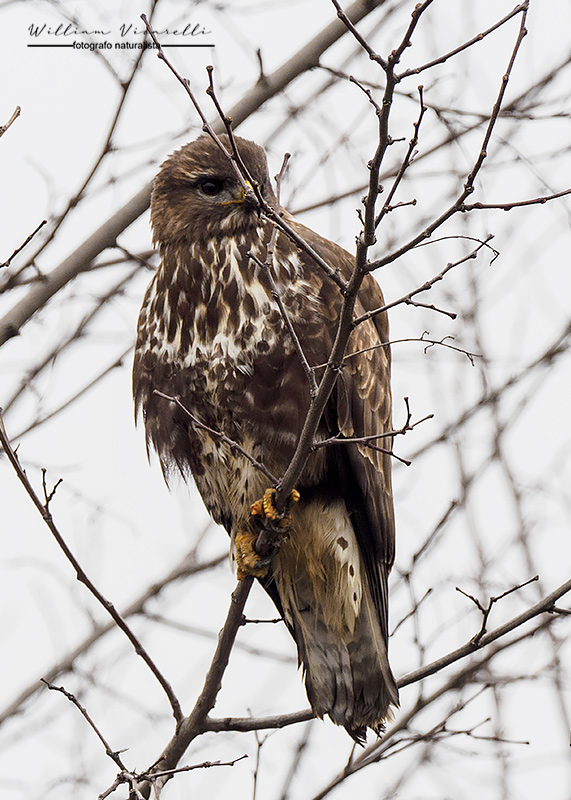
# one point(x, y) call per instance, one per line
point(363, 404)
point(360, 406)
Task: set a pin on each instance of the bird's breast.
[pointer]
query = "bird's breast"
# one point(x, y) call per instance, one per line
point(212, 335)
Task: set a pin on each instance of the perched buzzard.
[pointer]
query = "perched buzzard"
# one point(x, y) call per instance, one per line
point(210, 333)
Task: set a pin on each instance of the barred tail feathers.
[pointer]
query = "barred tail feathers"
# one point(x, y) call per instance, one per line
point(328, 606)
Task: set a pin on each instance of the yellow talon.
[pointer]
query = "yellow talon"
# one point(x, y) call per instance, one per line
point(257, 509)
point(248, 562)
point(265, 507)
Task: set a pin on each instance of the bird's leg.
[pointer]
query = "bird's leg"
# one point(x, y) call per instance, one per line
point(248, 560)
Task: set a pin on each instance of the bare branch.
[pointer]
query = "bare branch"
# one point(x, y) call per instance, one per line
point(422, 339)
point(106, 235)
point(193, 725)
point(470, 180)
point(13, 118)
point(115, 755)
point(245, 724)
point(367, 440)
point(21, 247)
point(203, 765)
point(487, 610)
point(545, 605)
point(534, 201)
point(470, 43)
point(407, 298)
point(82, 576)
point(186, 567)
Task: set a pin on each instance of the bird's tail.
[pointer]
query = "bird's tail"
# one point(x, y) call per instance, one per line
point(328, 606)
point(348, 676)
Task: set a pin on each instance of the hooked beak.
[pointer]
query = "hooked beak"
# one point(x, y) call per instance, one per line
point(244, 197)
point(248, 197)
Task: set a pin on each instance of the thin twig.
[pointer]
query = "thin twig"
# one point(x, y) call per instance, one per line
point(115, 755)
point(474, 40)
point(203, 765)
point(249, 185)
point(468, 187)
point(408, 426)
point(487, 610)
point(407, 299)
point(362, 41)
point(422, 339)
point(82, 576)
point(219, 436)
point(21, 247)
point(267, 267)
point(413, 611)
point(533, 201)
point(186, 567)
point(309, 371)
point(48, 496)
point(13, 118)
point(545, 605)
point(206, 126)
point(406, 162)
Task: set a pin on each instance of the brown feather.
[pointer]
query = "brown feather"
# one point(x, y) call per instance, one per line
point(211, 333)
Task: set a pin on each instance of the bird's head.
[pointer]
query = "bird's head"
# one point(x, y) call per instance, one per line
point(197, 193)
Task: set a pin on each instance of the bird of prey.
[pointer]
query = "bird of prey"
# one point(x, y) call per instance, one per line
point(211, 334)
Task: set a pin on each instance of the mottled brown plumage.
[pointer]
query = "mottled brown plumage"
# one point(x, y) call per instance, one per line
point(211, 334)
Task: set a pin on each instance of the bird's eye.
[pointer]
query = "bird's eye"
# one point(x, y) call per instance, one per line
point(211, 186)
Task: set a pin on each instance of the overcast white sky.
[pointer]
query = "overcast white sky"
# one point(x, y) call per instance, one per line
point(115, 510)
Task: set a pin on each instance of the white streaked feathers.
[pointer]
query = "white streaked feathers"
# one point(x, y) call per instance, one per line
point(322, 546)
point(223, 347)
